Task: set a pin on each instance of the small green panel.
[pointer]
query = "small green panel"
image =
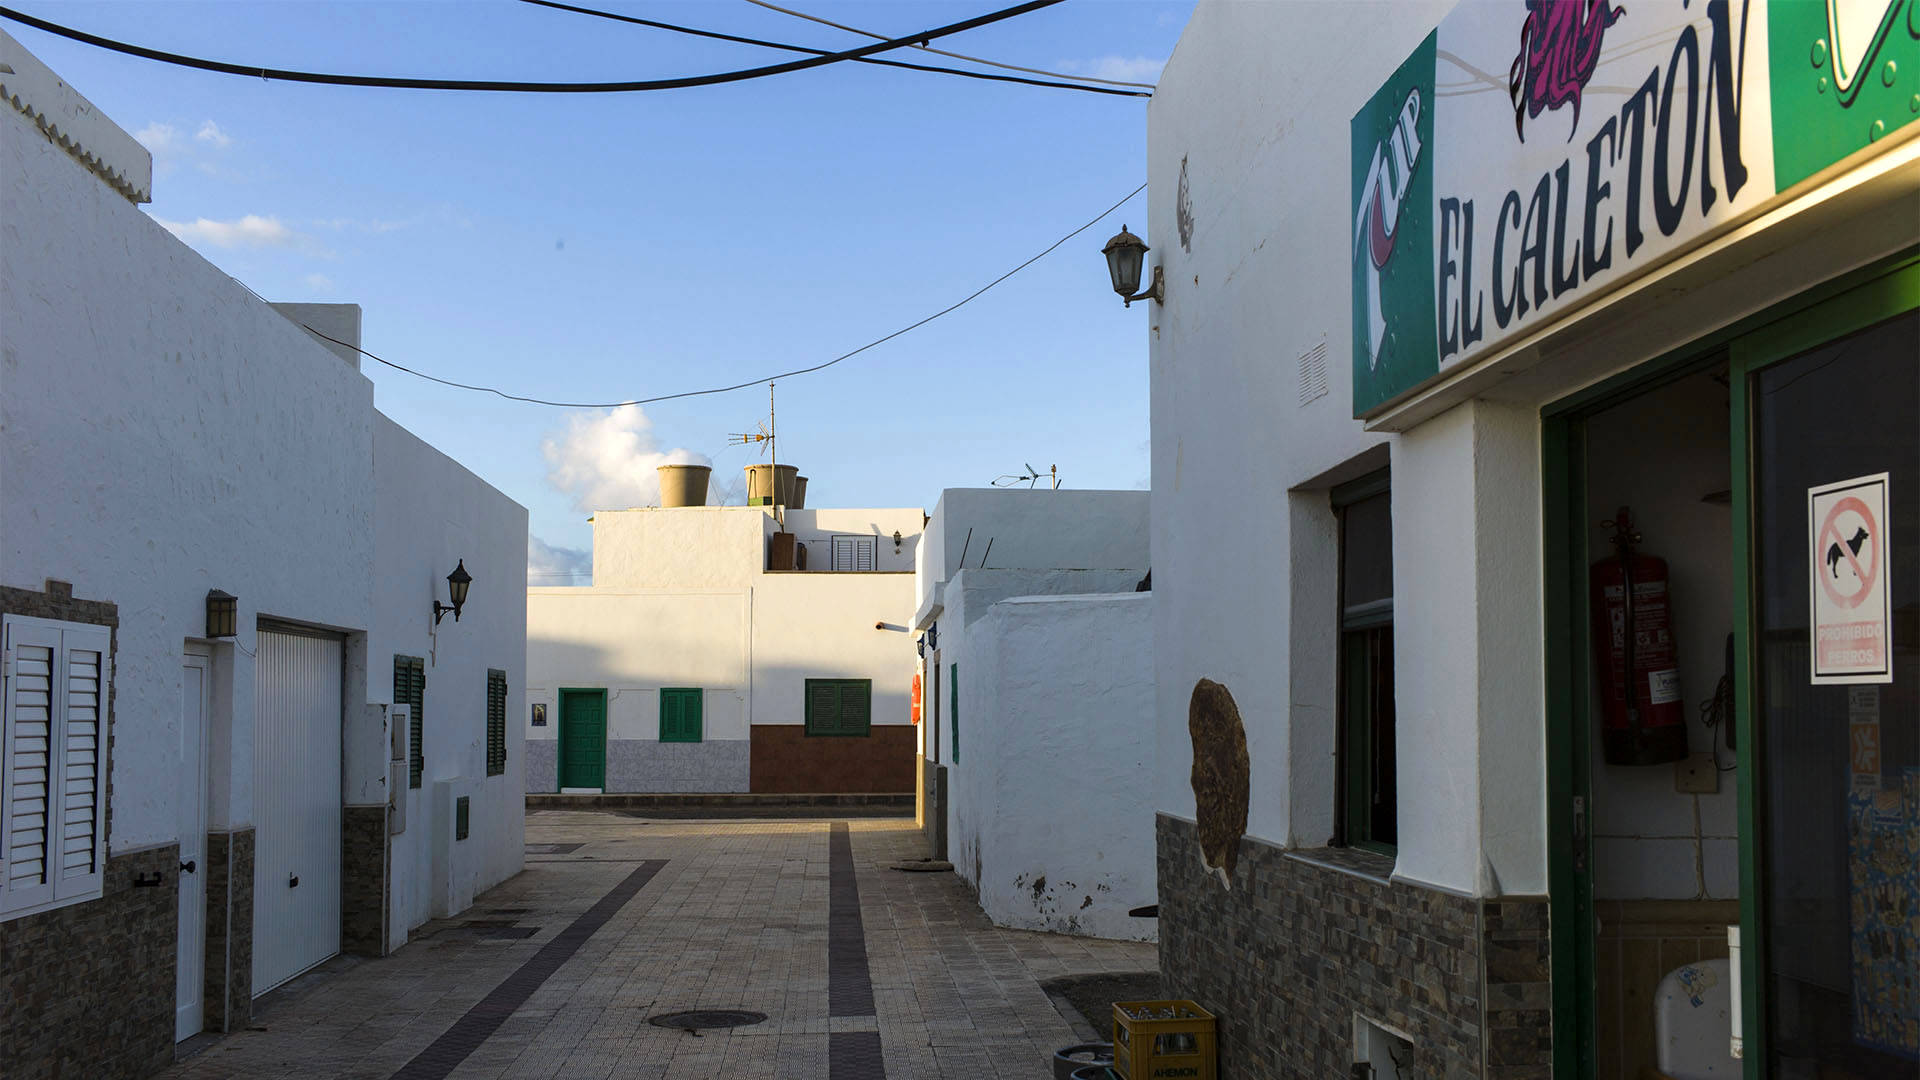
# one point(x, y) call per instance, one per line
point(583, 738)
point(953, 706)
point(462, 817)
point(1838, 84)
point(680, 719)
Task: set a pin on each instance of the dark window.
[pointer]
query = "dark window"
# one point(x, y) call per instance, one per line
point(680, 714)
point(1367, 746)
point(410, 689)
point(839, 706)
point(496, 721)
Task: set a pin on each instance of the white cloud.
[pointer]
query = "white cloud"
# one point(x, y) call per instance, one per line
point(318, 282)
point(210, 133)
point(549, 564)
point(251, 231)
point(606, 461)
point(1140, 69)
point(159, 139)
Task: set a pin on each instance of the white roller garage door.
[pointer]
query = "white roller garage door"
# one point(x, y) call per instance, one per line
point(296, 798)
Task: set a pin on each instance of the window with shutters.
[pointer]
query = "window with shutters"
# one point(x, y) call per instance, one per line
point(853, 553)
point(839, 706)
point(680, 714)
point(52, 776)
point(410, 688)
point(496, 721)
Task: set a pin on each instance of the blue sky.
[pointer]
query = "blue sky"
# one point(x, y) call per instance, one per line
point(607, 247)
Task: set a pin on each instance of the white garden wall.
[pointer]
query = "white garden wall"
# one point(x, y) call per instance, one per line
point(1054, 822)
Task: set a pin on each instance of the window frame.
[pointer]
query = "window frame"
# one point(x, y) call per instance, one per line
point(63, 638)
point(496, 722)
point(816, 729)
point(697, 696)
point(1363, 632)
point(869, 543)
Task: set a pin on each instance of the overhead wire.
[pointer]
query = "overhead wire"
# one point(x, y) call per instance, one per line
point(507, 86)
point(943, 52)
point(949, 309)
point(737, 39)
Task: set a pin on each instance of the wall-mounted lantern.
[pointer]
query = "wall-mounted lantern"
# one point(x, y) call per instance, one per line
point(457, 584)
point(896, 541)
point(223, 614)
point(1125, 253)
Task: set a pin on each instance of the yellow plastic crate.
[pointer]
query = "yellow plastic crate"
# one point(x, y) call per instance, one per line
point(1163, 1040)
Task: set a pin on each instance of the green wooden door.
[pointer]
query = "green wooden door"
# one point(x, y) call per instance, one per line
point(583, 738)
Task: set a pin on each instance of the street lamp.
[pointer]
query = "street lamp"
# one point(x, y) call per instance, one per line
point(457, 584)
point(1125, 253)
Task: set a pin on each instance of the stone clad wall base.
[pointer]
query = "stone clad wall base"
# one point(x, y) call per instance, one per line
point(1306, 941)
point(229, 955)
point(364, 887)
point(87, 989)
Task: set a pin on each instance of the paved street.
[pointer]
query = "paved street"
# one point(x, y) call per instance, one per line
point(632, 917)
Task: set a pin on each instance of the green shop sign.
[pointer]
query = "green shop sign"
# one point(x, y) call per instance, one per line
point(1531, 152)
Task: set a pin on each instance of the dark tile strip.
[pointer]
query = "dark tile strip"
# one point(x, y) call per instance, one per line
point(849, 983)
point(855, 1055)
point(481, 1021)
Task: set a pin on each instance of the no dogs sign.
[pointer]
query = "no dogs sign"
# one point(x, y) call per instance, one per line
point(1851, 603)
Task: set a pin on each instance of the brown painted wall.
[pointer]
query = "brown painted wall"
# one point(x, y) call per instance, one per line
point(788, 761)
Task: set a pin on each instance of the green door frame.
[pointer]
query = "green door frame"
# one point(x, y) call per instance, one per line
point(1826, 311)
point(560, 703)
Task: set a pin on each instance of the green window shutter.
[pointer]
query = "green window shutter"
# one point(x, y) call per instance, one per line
point(953, 706)
point(680, 719)
point(823, 707)
point(496, 722)
point(856, 707)
point(410, 689)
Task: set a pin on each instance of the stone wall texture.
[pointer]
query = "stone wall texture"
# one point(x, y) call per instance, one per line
point(1304, 941)
point(86, 990)
point(229, 967)
point(364, 887)
point(651, 767)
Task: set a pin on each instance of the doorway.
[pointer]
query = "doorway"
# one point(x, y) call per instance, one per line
point(189, 1012)
point(583, 740)
point(1786, 806)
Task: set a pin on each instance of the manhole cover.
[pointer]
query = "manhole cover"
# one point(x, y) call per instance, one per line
point(697, 1019)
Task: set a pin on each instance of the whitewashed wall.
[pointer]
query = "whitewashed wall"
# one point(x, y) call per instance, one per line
point(429, 514)
point(1054, 828)
point(1028, 529)
point(163, 433)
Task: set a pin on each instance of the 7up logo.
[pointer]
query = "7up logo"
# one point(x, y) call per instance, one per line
point(1377, 219)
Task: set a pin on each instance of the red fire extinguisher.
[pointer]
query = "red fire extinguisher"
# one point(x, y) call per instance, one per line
point(1643, 717)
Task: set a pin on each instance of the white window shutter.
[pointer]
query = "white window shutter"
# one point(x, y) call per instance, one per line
point(83, 781)
point(28, 775)
point(863, 553)
point(853, 553)
point(52, 783)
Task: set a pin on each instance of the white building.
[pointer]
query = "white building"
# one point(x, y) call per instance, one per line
point(1036, 758)
point(218, 816)
point(689, 666)
point(1439, 299)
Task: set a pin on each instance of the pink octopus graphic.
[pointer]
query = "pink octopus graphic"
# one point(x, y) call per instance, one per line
point(1559, 48)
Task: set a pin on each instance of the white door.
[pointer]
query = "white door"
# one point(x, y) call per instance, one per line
point(190, 967)
point(296, 799)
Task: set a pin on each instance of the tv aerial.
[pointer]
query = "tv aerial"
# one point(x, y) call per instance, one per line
point(1031, 477)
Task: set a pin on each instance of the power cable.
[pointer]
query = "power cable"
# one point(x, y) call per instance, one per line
point(976, 294)
point(501, 86)
point(718, 36)
point(943, 52)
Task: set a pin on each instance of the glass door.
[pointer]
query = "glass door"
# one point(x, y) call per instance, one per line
point(1827, 478)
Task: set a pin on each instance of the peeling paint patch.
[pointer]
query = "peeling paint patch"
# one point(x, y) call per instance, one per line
point(1183, 210)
